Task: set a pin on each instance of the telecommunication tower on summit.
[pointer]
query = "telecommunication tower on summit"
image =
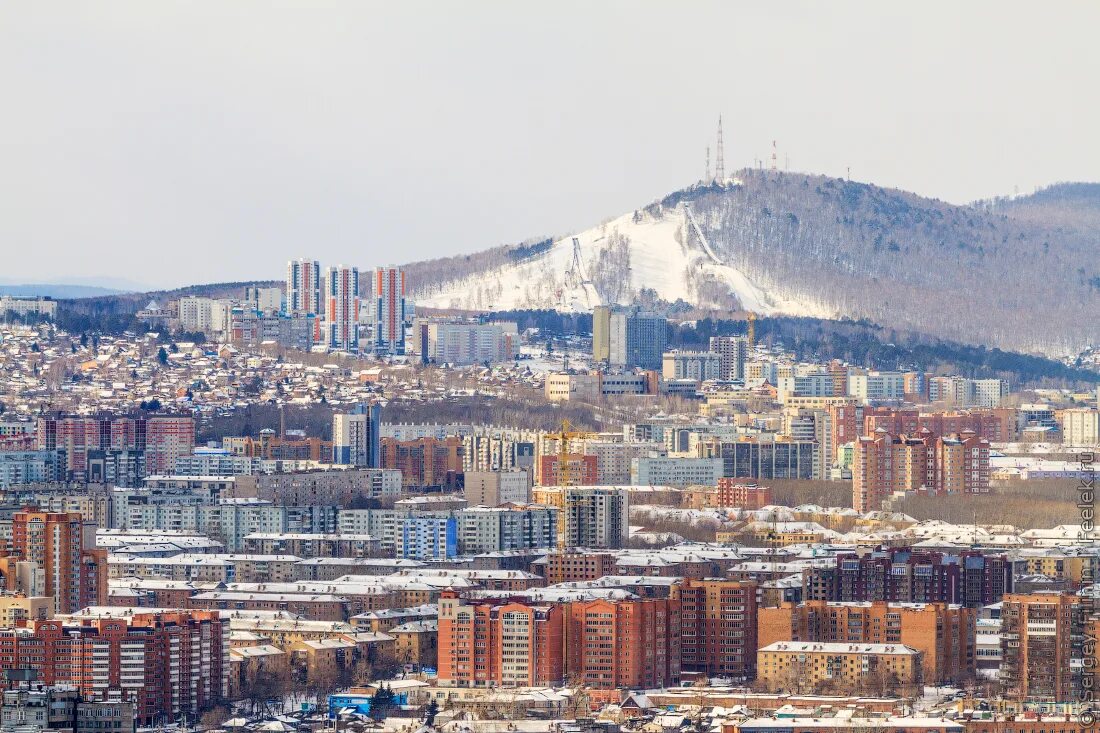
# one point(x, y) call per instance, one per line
point(720, 162)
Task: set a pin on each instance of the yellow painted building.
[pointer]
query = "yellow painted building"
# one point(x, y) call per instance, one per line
point(809, 667)
point(14, 608)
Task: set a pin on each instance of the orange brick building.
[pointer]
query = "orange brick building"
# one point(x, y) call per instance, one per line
point(849, 423)
point(1038, 635)
point(631, 643)
point(604, 643)
point(885, 462)
point(945, 634)
point(502, 642)
point(75, 577)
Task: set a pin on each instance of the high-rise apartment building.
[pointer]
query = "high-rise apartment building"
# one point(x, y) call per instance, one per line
point(884, 463)
point(675, 471)
point(356, 436)
point(966, 392)
point(512, 527)
point(718, 621)
point(207, 315)
point(500, 642)
point(905, 575)
point(342, 308)
point(424, 462)
point(601, 333)
point(606, 643)
point(589, 516)
point(30, 466)
point(75, 576)
point(762, 457)
point(1041, 647)
point(467, 343)
point(631, 643)
point(699, 366)
point(169, 665)
point(636, 339)
point(303, 291)
point(1081, 428)
point(303, 287)
point(390, 313)
point(818, 384)
point(87, 441)
point(427, 537)
point(732, 351)
point(497, 451)
point(264, 300)
point(572, 469)
point(989, 392)
point(876, 386)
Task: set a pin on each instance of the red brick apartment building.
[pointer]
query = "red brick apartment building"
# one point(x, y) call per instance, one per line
point(848, 423)
point(161, 438)
point(570, 567)
point(614, 644)
point(718, 627)
point(500, 642)
point(424, 462)
point(734, 492)
point(582, 470)
point(166, 664)
point(1039, 632)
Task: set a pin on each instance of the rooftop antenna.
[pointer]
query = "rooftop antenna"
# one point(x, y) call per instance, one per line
point(706, 177)
point(720, 161)
point(849, 173)
point(774, 161)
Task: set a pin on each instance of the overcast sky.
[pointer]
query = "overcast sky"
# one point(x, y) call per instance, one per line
point(172, 143)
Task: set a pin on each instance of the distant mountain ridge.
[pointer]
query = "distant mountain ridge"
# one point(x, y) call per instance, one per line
point(1020, 273)
point(47, 290)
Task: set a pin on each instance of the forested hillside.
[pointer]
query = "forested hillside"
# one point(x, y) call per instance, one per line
point(1008, 277)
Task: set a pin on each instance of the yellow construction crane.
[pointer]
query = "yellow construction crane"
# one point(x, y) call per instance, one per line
point(565, 472)
point(564, 436)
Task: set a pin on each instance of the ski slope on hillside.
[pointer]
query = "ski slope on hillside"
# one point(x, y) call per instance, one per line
point(652, 249)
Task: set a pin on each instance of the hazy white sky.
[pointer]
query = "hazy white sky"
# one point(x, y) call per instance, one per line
point(181, 142)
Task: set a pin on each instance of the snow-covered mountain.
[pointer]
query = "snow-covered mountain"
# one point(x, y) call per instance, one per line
point(1020, 274)
point(660, 248)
